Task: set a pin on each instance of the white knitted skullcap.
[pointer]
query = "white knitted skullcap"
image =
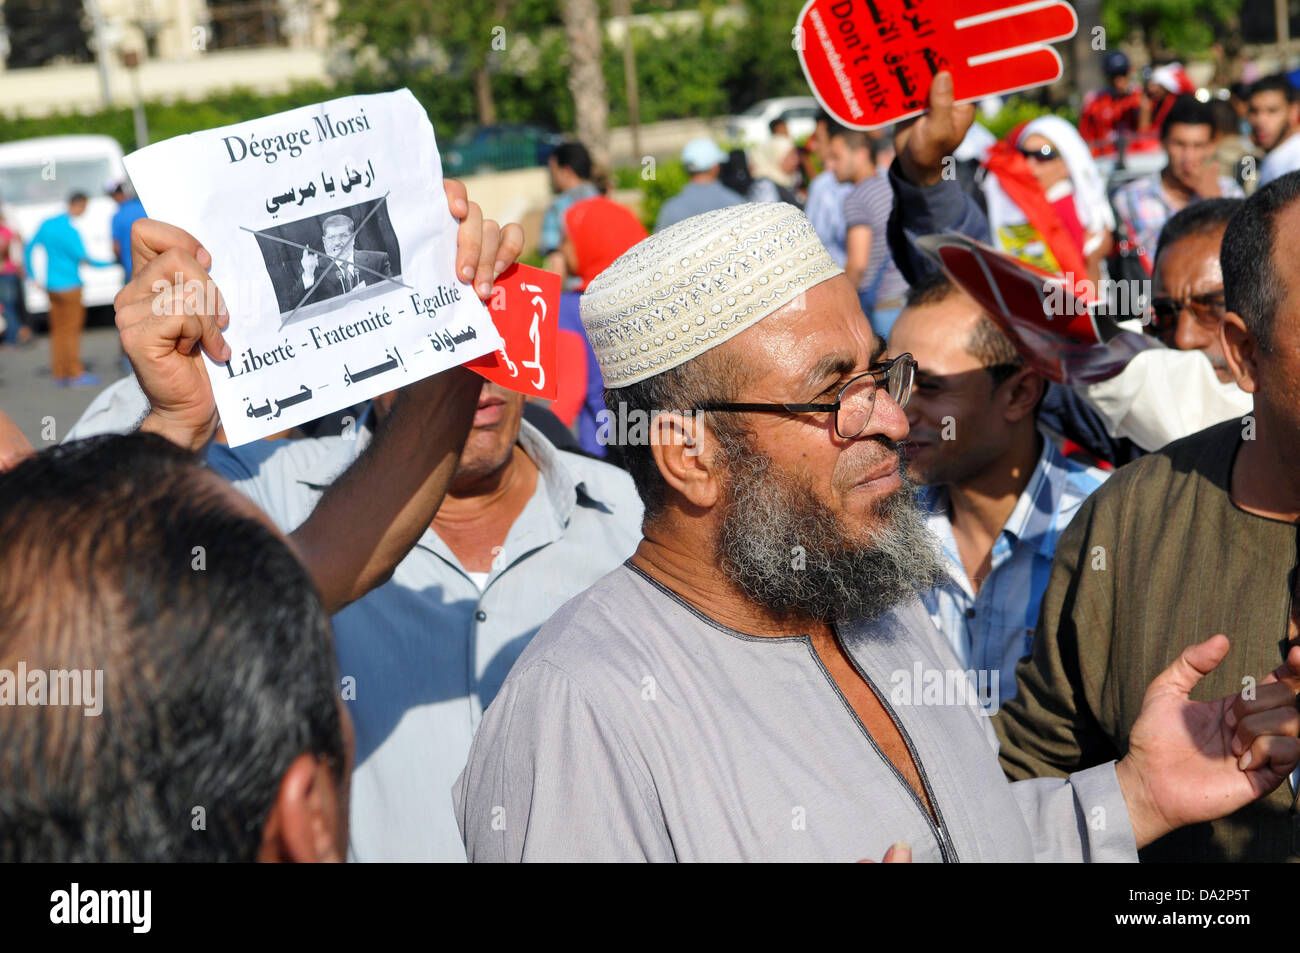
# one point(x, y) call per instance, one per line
point(698, 283)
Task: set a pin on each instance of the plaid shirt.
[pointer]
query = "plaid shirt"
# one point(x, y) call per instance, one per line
point(992, 630)
point(1144, 207)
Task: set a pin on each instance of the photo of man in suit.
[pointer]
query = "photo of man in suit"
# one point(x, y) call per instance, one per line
point(342, 268)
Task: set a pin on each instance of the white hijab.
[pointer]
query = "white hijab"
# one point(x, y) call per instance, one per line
point(1089, 189)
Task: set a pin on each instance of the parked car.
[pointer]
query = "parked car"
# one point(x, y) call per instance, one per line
point(36, 178)
point(752, 127)
point(498, 147)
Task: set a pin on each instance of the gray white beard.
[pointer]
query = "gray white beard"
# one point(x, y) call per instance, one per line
point(789, 553)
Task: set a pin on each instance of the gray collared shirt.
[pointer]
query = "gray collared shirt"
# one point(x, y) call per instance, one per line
point(636, 728)
point(422, 656)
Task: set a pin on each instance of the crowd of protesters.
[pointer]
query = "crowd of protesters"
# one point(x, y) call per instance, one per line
point(876, 585)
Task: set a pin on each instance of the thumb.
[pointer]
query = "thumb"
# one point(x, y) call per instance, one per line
point(1288, 671)
point(900, 853)
point(1193, 664)
point(941, 95)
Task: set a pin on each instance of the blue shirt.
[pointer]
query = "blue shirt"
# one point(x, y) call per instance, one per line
point(123, 219)
point(696, 198)
point(825, 209)
point(552, 235)
point(423, 655)
point(64, 251)
point(992, 630)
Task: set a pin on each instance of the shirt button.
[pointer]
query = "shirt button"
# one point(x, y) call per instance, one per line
point(480, 615)
point(970, 613)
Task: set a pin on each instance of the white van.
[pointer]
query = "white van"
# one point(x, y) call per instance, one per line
point(36, 178)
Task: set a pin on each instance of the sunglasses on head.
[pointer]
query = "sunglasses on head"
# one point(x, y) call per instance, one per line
point(1041, 154)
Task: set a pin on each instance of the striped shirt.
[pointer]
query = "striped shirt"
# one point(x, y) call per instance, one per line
point(869, 204)
point(990, 631)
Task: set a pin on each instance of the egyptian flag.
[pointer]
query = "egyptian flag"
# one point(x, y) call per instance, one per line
point(1024, 222)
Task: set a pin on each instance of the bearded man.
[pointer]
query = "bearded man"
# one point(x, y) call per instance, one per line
point(735, 690)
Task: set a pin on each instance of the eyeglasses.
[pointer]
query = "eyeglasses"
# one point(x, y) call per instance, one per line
point(1042, 154)
point(1208, 308)
point(856, 399)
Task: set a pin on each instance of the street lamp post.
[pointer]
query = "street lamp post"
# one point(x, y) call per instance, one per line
point(131, 60)
point(101, 57)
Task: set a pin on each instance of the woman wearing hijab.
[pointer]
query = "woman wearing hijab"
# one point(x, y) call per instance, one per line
point(1046, 200)
point(773, 165)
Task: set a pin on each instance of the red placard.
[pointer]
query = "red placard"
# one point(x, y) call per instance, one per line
point(870, 62)
point(525, 306)
point(1057, 329)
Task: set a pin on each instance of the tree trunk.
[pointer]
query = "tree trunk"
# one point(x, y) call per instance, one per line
point(487, 108)
point(582, 29)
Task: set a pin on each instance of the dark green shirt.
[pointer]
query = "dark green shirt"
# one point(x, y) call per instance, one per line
point(1157, 559)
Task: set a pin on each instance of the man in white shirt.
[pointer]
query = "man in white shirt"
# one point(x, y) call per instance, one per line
point(1274, 116)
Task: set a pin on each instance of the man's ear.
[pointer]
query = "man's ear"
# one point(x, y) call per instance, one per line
point(685, 451)
point(1023, 390)
point(303, 825)
point(1240, 350)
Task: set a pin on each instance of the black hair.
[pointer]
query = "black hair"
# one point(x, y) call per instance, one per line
point(933, 289)
point(987, 343)
point(76, 197)
point(1199, 218)
point(853, 138)
point(1187, 110)
point(122, 555)
point(1225, 117)
point(1252, 286)
point(1276, 83)
point(990, 345)
point(778, 121)
point(574, 156)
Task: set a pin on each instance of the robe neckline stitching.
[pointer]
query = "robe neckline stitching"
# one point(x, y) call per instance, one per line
point(714, 623)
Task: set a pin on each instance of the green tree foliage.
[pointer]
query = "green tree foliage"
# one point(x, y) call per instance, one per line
point(765, 63)
point(1173, 27)
point(691, 73)
point(669, 178)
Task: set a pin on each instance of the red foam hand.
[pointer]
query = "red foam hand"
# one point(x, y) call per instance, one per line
point(870, 62)
point(525, 306)
point(1050, 323)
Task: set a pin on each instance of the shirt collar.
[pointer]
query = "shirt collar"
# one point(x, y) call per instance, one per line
point(563, 489)
point(1034, 514)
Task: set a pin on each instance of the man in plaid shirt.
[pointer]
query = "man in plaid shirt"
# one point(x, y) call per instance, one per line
point(1143, 206)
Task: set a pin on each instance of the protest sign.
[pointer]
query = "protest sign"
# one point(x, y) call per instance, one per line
point(334, 251)
point(1058, 328)
point(870, 62)
point(525, 307)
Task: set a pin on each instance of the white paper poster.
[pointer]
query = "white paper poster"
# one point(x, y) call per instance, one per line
point(334, 251)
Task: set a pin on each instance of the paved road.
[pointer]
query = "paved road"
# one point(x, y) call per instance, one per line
point(28, 394)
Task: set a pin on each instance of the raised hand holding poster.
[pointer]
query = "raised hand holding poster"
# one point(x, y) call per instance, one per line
point(334, 251)
point(870, 62)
